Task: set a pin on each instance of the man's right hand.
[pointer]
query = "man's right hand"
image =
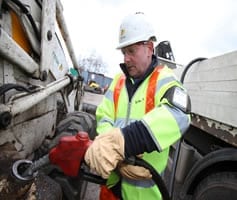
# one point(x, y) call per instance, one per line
point(106, 151)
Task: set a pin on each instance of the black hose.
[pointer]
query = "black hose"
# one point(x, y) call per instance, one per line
point(174, 167)
point(155, 175)
point(6, 87)
point(0, 8)
point(188, 66)
point(39, 3)
point(133, 161)
point(29, 16)
point(93, 178)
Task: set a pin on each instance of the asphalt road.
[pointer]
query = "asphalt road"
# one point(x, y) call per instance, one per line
point(92, 98)
point(92, 192)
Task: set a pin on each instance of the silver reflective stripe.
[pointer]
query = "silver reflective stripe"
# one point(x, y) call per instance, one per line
point(106, 120)
point(109, 95)
point(152, 136)
point(181, 118)
point(140, 183)
point(163, 82)
point(128, 113)
point(120, 122)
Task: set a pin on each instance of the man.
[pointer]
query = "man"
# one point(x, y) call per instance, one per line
point(143, 113)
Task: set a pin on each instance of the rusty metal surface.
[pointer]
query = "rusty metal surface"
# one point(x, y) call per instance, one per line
point(38, 189)
point(217, 129)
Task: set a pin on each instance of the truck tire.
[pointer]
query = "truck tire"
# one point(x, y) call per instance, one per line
point(89, 108)
point(218, 186)
point(77, 121)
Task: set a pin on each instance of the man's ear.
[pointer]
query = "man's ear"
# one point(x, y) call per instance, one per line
point(151, 46)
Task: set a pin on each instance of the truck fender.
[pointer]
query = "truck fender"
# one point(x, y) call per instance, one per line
point(219, 160)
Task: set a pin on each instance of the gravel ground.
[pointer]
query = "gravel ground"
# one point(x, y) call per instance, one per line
point(92, 192)
point(92, 98)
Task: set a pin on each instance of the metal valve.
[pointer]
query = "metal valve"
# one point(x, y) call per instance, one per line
point(26, 170)
point(19, 169)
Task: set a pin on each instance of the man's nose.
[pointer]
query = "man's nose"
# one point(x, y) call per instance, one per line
point(126, 57)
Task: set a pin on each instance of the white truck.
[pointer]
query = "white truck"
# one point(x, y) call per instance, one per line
point(202, 165)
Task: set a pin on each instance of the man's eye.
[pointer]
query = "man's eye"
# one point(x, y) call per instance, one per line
point(131, 51)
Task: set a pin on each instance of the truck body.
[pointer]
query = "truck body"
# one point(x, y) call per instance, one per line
point(202, 165)
point(95, 82)
point(101, 79)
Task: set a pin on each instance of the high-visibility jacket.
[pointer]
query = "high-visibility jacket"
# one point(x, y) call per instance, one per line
point(165, 123)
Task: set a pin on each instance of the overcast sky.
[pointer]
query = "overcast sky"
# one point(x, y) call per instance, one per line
point(195, 28)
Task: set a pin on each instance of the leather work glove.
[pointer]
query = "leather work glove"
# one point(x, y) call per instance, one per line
point(106, 151)
point(134, 172)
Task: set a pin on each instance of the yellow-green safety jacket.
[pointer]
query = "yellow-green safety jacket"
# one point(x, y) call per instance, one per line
point(165, 124)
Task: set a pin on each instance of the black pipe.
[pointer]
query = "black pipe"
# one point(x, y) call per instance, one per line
point(30, 18)
point(188, 66)
point(87, 176)
point(155, 175)
point(6, 87)
point(93, 178)
point(39, 3)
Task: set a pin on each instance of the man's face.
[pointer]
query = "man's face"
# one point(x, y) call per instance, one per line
point(137, 58)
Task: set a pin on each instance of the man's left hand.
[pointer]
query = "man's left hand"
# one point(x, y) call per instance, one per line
point(134, 172)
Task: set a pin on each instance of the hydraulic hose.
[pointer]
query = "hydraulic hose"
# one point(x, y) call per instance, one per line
point(39, 3)
point(29, 16)
point(6, 87)
point(155, 175)
point(188, 66)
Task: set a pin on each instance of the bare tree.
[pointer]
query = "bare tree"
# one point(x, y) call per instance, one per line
point(93, 63)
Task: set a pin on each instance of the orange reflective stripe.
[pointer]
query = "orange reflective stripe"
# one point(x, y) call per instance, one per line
point(150, 93)
point(151, 89)
point(117, 90)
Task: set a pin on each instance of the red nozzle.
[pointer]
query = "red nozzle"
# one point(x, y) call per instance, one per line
point(69, 153)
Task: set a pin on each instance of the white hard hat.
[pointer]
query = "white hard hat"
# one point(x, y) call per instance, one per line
point(135, 28)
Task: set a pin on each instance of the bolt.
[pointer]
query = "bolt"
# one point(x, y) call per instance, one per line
point(49, 35)
point(43, 76)
point(5, 119)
